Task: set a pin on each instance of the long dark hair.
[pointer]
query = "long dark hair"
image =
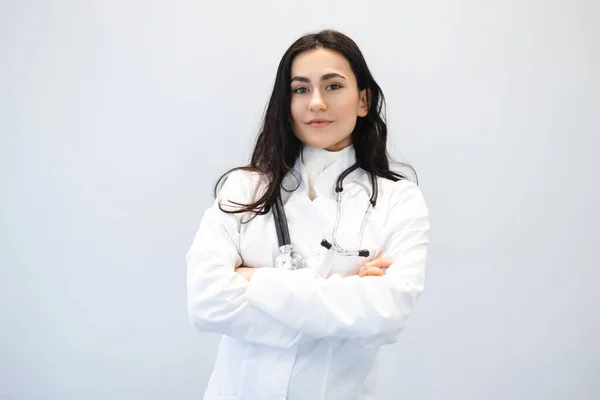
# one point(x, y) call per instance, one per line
point(277, 148)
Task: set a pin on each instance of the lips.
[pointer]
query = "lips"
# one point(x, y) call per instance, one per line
point(319, 122)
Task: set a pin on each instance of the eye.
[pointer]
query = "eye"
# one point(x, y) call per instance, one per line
point(300, 90)
point(334, 86)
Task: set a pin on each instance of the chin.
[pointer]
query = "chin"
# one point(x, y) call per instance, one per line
point(319, 142)
point(314, 142)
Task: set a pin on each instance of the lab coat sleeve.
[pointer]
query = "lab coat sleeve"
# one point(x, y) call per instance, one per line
point(370, 309)
point(216, 294)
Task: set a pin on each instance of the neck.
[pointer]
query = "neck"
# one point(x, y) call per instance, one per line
point(317, 160)
point(340, 146)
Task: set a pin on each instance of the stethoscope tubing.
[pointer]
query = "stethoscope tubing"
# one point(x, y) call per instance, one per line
point(281, 225)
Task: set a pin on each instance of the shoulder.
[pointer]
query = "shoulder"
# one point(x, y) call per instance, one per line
point(239, 186)
point(403, 193)
point(240, 178)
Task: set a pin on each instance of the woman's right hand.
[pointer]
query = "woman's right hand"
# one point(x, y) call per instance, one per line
point(375, 267)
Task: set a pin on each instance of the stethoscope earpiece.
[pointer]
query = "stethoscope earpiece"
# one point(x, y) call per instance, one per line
point(326, 244)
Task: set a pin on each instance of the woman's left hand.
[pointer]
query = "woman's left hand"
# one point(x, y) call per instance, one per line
point(375, 267)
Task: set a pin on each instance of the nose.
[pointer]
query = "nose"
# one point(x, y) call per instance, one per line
point(317, 103)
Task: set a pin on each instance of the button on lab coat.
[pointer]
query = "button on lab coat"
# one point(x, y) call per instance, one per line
point(312, 333)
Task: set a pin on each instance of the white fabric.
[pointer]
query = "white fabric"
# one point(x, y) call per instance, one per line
point(316, 161)
point(312, 333)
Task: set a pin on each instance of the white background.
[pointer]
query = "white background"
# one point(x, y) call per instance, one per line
point(117, 117)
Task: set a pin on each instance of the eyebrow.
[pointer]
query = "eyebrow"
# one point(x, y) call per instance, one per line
point(323, 78)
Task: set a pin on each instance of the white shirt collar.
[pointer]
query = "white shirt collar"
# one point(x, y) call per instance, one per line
point(318, 160)
point(322, 159)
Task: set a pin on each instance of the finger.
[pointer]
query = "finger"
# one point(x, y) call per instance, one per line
point(362, 272)
point(379, 257)
point(374, 272)
point(370, 271)
point(385, 263)
point(380, 263)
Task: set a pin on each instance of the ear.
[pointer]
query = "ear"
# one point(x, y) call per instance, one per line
point(364, 101)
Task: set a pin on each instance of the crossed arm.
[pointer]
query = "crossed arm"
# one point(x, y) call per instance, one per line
point(217, 290)
point(372, 268)
point(287, 308)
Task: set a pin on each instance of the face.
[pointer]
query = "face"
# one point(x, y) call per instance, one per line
point(325, 100)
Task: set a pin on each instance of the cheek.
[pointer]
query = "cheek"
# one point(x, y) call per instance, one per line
point(349, 106)
point(344, 105)
point(296, 110)
point(346, 111)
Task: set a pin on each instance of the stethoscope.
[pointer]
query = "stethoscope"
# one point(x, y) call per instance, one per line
point(290, 259)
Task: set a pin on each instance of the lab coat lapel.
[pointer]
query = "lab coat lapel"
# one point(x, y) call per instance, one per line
point(325, 183)
point(307, 221)
point(311, 221)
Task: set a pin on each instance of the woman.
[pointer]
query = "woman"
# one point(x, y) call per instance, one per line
point(308, 324)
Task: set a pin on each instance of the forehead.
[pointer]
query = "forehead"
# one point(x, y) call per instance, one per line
point(314, 63)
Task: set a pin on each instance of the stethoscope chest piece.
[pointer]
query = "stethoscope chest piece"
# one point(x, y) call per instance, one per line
point(289, 259)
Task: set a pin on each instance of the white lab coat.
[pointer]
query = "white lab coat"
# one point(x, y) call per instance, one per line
point(312, 333)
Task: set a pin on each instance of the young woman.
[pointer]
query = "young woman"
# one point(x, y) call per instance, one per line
point(312, 256)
